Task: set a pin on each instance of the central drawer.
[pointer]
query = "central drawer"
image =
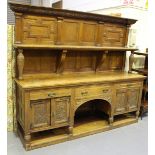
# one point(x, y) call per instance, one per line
point(91, 91)
point(49, 93)
point(128, 84)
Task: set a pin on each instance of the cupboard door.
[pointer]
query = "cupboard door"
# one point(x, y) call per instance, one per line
point(121, 100)
point(61, 109)
point(40, 113)
point(133, 98)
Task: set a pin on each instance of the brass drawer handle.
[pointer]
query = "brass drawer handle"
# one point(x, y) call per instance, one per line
point(105, 91)
point(84, 93)
point(51, 94)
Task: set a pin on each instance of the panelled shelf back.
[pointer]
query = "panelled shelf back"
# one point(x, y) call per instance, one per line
point(70, 74)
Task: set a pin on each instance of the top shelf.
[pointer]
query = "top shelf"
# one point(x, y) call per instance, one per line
point(68, 47)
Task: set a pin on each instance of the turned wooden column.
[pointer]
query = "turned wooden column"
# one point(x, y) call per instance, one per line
point(137, 114)
point(70, 130)
point(27, 137)
point(131, 60)
point(20, 63)
point(111, 120)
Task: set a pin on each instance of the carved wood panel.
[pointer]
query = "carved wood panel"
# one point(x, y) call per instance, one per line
point(133, 98)
point(61, 109)
point(89, 33)
point(39, 30)
point(85, 61)
point(70, 32)
point(113, 35)
point(79, 61)
point(40, 113)
point(38, 61)
point(121, 100)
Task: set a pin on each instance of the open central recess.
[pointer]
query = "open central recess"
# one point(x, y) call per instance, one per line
point(92, 115)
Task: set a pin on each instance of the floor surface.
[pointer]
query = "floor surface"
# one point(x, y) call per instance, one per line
point(128, 140)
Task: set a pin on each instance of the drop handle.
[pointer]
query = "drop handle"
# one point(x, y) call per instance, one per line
point(84, 93)
point(105, 91)
point(51, 94)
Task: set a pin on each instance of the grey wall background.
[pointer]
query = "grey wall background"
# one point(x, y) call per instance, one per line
point(10, 14)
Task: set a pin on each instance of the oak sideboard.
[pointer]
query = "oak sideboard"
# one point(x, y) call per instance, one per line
point(70, 78)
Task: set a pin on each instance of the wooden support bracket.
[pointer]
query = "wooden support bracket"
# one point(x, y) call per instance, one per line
point(101, 60)
point(131, 60)
point(61, 61)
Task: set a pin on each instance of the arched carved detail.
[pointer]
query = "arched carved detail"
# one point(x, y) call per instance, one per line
point(79, 102)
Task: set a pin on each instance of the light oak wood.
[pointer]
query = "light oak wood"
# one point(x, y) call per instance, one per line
point(75, 47)
point(71, 81)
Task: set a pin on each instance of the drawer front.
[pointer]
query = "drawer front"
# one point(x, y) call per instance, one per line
point(49, 93)
point(129, 84)
point(91, 91)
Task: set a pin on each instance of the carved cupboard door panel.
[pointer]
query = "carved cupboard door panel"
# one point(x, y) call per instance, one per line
point(61, 109)
point(121, 100)
point(40, 113)
point(133, 98)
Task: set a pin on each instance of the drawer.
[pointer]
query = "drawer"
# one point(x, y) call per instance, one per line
point(129, 84)
point(49, 93)
point(91, 91)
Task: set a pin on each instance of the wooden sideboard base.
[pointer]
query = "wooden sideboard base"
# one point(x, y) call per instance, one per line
point(80, 130)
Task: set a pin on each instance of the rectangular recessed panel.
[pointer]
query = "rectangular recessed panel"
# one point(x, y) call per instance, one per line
point(41, 31)
point(113, 35)
point(89, 33)
point(70, 32)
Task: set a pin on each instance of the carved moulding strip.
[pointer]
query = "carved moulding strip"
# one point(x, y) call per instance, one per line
point(16, 7)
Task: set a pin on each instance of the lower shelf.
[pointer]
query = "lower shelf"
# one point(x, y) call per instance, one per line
point(85, 127)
